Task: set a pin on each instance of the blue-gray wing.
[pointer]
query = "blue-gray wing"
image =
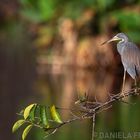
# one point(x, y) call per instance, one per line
point(131, 59)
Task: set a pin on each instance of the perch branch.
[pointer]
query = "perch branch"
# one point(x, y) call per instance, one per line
point(97, 108)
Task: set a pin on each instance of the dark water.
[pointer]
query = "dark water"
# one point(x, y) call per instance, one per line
point(62, 89)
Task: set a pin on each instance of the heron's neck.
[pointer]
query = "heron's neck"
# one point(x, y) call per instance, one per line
point(120, 46)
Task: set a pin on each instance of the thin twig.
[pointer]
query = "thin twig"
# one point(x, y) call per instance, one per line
point(106, 108)
point(114, 98)
point(93, 126)
point(51, 133)
point(74, 114)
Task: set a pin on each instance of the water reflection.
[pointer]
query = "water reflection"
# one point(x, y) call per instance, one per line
point(70, 83)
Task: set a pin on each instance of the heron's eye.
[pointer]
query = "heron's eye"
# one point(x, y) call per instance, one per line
point(121, 39)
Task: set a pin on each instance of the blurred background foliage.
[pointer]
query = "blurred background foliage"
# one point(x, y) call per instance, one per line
point(40, 38)
point(71, 24)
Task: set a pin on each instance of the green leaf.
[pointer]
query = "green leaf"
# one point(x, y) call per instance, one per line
point(43, 116)
point(32, 112)
point(27, 110)
point(17, 124)
point(55, 115)
point(26, 131)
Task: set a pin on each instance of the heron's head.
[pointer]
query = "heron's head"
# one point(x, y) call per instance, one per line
point(117, 38)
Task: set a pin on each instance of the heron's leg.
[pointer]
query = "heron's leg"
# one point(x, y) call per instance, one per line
point(124, 76)
point(135, 82)
point(136, 88)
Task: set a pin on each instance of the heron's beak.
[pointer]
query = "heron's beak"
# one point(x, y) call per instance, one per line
point(115, 38)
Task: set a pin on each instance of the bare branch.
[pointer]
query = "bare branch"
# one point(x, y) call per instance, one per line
point(93, 127)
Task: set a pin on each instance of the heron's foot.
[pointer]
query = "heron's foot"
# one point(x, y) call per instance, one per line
point(122, 93)
point(137, 92)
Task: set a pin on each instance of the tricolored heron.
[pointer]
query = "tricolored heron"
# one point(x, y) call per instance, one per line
point(130, 56)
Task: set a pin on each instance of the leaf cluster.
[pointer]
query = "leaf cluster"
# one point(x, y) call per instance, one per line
point(39, 116)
